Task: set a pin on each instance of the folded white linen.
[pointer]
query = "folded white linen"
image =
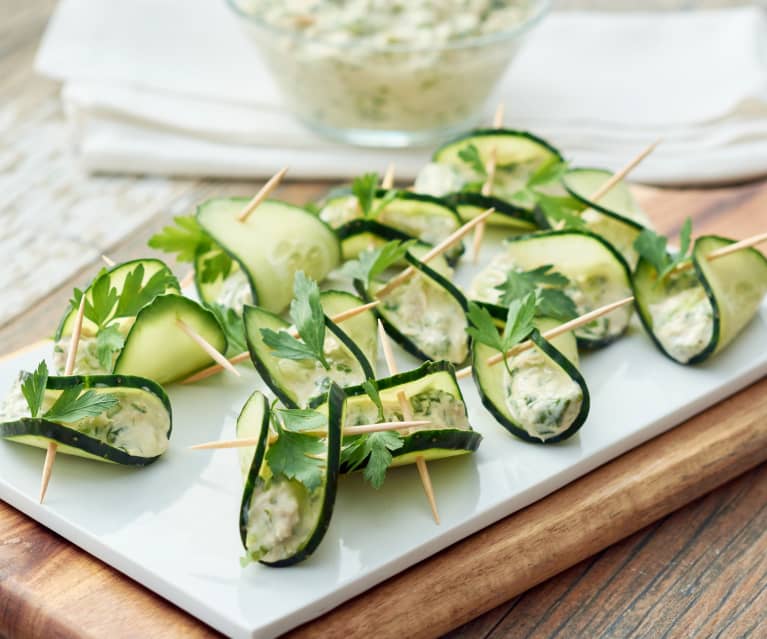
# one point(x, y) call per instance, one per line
point(160, 86)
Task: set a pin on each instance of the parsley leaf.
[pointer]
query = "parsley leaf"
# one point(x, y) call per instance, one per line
point(293, 456)
point(135, 294)
point(470, 155)
point(298, 420)
point(309, 320)
point(103, 300)
point(482, 327)
point(562, 209)
point(285, 346)
point(558, 305)
point(364, 189)
point(72, 406)
point(376, 449)
point(654, 248)
point(215, 264)
point(519, 324)
point(546, 284)
point(519, 321)
point(379, 447)
point(371, 263)
point(308, 316)
point(550, 171)
point(109, 340)
point(186, 239)
point(33, 387)
point(233, 326)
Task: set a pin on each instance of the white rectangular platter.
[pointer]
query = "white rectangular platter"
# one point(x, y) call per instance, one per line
point(174, 525)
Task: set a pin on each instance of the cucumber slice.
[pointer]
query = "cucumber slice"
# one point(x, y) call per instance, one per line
point(282, 521)
point(545, 398)
point(274, 243)
point(362, 234)
point(415, 215)
point(696, 313)
point(434, 394)
point(617, 216)
point(469, 205)
point(518, 154)
point(116, 275)
point(157, 348)
point(252, 423)
point(294, 382)
point(426, 315)
point(598, 275)
point(133, 433)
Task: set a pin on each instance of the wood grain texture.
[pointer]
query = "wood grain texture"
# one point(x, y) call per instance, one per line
point(700, 571)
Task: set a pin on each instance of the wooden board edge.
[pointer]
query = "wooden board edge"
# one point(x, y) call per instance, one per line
point(579, 520)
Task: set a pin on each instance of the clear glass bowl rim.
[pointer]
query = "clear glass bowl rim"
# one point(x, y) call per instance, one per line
point(540, 8)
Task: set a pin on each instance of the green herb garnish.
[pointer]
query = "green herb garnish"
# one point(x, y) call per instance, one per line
point(309, 320)
point(654, 249)
point(546, 284)
point(470, 155)
point(295, 455)
point(519, 324)
point(372, 263)
point(376, 449)
point(364, 189)
point(299, 420)
point(187, 239)
point(72, 405)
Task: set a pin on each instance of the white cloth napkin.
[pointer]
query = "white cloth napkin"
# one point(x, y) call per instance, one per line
point(171, 87)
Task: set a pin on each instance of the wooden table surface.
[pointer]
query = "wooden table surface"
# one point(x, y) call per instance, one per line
point(701, 570)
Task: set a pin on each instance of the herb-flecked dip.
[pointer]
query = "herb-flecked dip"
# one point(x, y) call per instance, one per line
point(410, 65)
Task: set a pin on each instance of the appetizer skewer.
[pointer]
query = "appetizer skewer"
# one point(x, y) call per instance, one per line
point(74, 342)
point(407, 413)
point(395, 282)
point(609, 308)
point(348, 431)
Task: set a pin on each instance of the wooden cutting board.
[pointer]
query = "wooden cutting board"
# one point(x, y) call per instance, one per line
point(50, 588)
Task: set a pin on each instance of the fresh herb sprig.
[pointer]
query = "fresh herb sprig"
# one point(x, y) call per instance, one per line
point(364, 189)
point(72, 405)
point(519, 324)
point(106, 304)
point(309, 320)
point(470, 155)
point(547, 285)
point(654, 248)
point(377, 449)
point(294, 454)
point(373, 262)
point(188, 240)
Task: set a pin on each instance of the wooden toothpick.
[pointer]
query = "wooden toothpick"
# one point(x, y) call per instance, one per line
point(264, 193)
point(361, 429)
point(107, 260)
point(187, 280)
point(207, 347)
point(445, 244)
point(69, 367)
point(407, 414)
point(552, 333)
point(622, 173)
point(388, 179)
point(241, 357)
point(487, 186)
point(727, 250)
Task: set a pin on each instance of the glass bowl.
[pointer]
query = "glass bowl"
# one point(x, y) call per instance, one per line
point(387, 95)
